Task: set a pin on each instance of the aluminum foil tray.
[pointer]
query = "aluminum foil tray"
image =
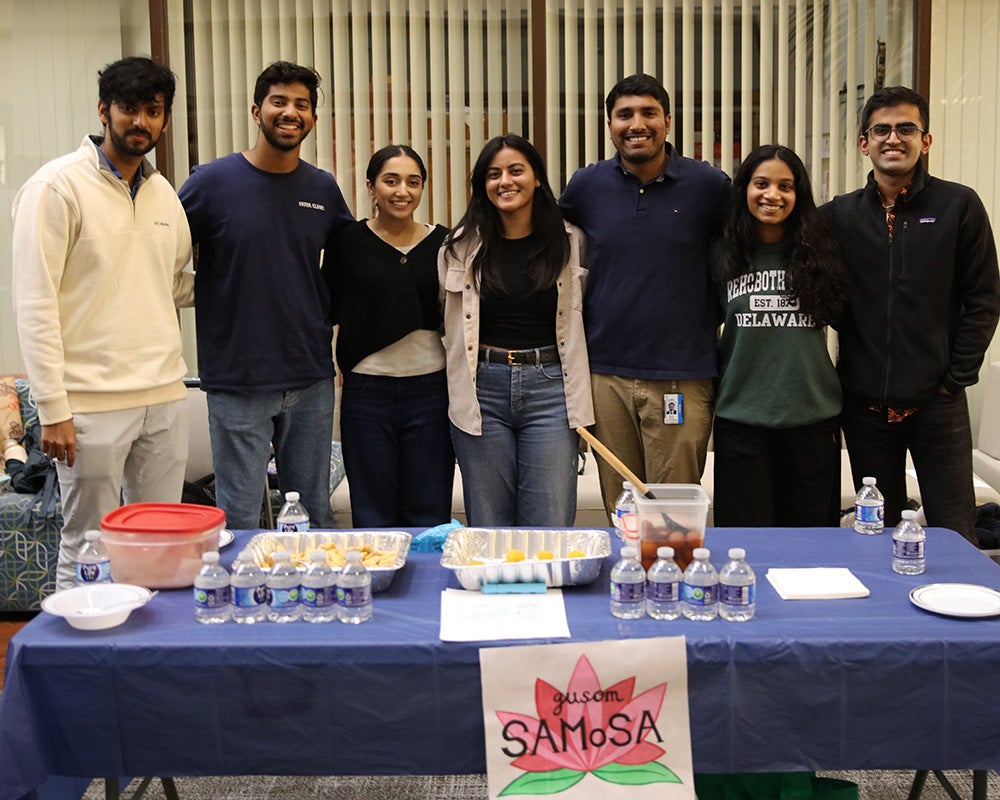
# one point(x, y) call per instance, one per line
point(490, 545)
point(263, 545)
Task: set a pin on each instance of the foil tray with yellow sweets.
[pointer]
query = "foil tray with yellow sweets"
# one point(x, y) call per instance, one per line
point(557, 556)
point(383, 552)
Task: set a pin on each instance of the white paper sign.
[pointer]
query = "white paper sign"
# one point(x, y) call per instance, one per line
point(588, 720)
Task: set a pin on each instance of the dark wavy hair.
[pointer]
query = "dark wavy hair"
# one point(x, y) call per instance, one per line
point(136, 80)
point(286, 72)
point(379, 158)
point(546, 260)
point(815, 273)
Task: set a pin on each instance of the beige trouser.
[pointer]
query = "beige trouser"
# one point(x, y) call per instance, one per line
point(138, 455)
point(629, 420)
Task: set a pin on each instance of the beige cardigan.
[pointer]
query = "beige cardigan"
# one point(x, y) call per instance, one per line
point(461, 333)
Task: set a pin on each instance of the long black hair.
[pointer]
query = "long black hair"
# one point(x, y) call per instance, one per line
point(813, 269)
point(546, 259)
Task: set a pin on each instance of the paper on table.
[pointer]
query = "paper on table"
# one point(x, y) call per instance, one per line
point(468, 616)
point(816, 583)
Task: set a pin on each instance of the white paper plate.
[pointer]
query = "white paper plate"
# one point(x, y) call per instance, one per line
point(957, 599)
point(226, 536)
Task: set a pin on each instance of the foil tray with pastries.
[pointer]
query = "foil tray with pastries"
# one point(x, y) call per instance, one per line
point(571, 556)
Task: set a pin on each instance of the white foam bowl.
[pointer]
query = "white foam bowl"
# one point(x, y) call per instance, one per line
point(123, 596)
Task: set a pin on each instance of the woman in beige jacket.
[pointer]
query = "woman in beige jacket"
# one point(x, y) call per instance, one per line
point(513, 275)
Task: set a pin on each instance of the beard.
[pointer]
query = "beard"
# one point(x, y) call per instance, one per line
point(122, 145)
point(278, 142)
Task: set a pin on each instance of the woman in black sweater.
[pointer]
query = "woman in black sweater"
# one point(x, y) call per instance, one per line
point(394, 404)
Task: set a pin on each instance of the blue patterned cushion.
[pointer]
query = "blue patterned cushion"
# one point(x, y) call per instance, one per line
point(29, 549)
point(29, 409)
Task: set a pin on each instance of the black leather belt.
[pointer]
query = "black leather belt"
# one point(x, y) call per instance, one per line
point(519, 358)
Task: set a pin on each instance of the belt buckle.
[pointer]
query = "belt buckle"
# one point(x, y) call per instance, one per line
point(510, 359)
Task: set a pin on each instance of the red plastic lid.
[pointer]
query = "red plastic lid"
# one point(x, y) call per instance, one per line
point(186, 518)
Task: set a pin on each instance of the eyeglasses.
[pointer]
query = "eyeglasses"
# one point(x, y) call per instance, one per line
point(904, 132)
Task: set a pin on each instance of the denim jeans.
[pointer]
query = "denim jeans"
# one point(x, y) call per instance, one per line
point(243, 426)
point(939, 438)
point(522, 469)
point(397, 449)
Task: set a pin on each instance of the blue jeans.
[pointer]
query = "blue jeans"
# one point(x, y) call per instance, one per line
point(243, 426)
point(522, 469)
point(397, 449)
point(939, 438)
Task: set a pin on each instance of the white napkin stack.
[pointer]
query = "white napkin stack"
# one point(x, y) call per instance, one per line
point(816, 583)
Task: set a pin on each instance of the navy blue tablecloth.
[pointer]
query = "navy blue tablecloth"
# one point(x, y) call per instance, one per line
point(844, 684)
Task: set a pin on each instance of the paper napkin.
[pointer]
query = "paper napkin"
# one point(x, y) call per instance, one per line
point(816, 583)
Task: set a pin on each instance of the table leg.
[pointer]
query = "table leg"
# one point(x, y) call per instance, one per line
point(917, 789)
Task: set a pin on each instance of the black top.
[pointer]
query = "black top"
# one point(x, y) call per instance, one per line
point(379, 294)
point(517, 318)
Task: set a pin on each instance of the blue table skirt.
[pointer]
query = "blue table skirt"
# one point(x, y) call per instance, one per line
point(845, 684)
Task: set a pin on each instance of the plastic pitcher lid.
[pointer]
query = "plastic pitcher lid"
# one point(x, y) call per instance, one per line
point(181, 518)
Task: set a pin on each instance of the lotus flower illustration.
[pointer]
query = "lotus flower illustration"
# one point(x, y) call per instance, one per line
point(586, 729)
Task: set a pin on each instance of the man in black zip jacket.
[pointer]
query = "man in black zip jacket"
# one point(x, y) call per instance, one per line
point(924, 301)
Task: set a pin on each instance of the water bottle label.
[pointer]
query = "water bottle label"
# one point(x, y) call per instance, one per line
point(250, 596)
point(628, 521)
point(293, 527)
point(93, 573)
point(354, 596)
point(319, 597)
point(628, 592)
point(907, 549)
point(284, 598)
point(869, 514)
point(737, 595)
point(699, 595)
point(664, 592)
point(212, 598)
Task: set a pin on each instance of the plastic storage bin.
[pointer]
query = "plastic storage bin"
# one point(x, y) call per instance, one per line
point(675, 518)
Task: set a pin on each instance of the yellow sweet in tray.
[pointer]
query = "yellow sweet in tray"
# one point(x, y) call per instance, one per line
point(544, 555)
point(576, 554)
point(514, 555)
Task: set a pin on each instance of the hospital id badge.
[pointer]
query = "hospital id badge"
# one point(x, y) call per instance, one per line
point(673, 408)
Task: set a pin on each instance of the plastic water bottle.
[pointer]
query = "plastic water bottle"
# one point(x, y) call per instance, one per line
point(700, 590)
point(293, 515)
point(628, 586)
point(737, 588)
point(249, 587)
point(908, 540)
point(319, 590)
point(869, 508)
point(93, 565)
point(663, 586)
point(626, 520)
point(354, 591)
point(283, 589)
point(212, 592)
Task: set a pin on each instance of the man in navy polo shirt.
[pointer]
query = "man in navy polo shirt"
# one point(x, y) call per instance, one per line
point(649, 310)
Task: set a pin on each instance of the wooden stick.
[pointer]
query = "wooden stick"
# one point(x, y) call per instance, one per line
point(615, 463)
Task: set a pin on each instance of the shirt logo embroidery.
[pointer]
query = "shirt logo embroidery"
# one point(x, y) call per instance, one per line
point(314, 206)
point(925, 220)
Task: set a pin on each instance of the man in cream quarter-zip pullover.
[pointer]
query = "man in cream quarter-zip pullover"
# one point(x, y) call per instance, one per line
point(100, 242)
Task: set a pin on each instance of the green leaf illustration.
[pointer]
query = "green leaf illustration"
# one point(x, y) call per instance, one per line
point(636, 775)
point(551, 782)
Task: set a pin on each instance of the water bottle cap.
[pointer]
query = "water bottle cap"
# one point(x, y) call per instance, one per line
point(665, 552)
point(353, 556)
point(909, 514)
point(282, 555)
point(92, 536)
point(317, 555)
point(737, 553)
point(629, 552)
point(291, 497)
point(211, 557)
point(627, 485)
point(245, 555)
point(701, 553)
point(868, 481)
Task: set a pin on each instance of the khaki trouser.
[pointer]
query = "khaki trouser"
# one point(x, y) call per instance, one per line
point(139, 454)
point(629, 420)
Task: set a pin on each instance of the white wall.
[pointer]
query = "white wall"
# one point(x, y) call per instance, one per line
point(965, 112)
